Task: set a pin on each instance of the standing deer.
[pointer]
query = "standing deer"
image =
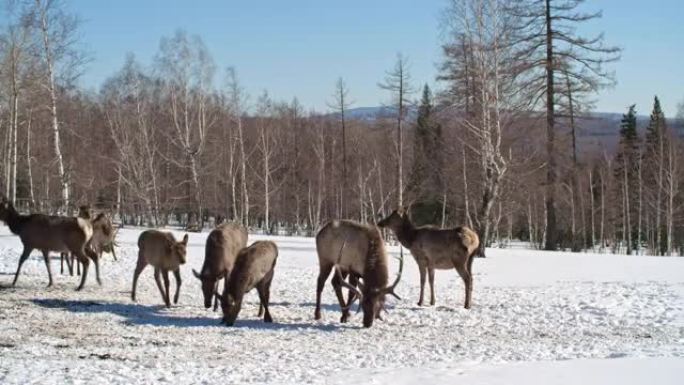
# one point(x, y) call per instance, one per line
point(51, 233)
point(223, 245)
point(253, 268)
point(103, 240)
point(358, 251)
point(435, 248)
point(161, 250)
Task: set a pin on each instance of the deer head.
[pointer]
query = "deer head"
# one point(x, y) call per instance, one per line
point(179, 250)
point(209, 287)
point(395, 220)
point(372, 299)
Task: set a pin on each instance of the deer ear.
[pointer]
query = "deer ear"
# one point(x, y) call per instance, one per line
point(185, 240)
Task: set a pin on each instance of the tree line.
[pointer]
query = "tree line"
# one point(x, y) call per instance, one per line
point(496, 147)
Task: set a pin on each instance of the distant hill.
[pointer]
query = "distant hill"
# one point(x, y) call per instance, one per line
point(598, 130)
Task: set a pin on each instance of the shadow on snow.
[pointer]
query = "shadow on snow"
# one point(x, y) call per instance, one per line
point(157, 315)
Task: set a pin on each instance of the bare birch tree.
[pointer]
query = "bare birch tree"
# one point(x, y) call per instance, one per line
point(58, 32)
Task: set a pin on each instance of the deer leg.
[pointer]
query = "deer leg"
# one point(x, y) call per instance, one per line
point(83, 259)
point(157, 279)
point(76, 261)
point(165, 277)
point(467, 280)
point(69, 257)
point(422, 270)
point(261, 308)
point(24, 256)
point(138, 269)
point(61, 263)
point(264, 290)
point(93, 255)
point(354, 281)
point(46, 257)
point(323, 274)
point(176, 273)
point(431, 276)
point(337, 285)
point(216, 302)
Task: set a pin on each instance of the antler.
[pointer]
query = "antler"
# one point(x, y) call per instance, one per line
point(348, 286)
point(338, 274)
point(390, 289)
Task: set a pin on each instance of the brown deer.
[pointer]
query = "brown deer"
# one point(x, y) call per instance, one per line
point(356, 250)
point(253, 268)
point(161, 250)
point(103, 239)
point(222, 247)
point(51, 233)
point(435, 248)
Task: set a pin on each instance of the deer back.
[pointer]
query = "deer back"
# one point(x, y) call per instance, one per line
point(222, 247)
point(55, 233)
point(344, 243)
point(158, 249)
point(253, 264)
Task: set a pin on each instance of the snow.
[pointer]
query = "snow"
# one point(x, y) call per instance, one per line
point(537, 318)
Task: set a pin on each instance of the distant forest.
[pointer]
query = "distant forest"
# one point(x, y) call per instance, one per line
point(508, 144)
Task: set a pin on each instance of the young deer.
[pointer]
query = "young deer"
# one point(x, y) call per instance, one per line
point(223, 245)
point(253, 268)
point(435, 248)
point(51, 233)
point(356, 250)
point(161, 250)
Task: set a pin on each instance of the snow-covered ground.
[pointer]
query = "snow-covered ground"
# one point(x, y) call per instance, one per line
point(537, 318)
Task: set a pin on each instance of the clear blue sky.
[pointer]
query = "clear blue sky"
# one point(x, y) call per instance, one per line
point(299, 48)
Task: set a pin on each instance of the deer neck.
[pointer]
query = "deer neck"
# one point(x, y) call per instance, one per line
point(375, 274)
point(406, 234)
point(14, 220)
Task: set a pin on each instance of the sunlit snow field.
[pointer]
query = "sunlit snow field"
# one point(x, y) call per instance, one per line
point(537, 318)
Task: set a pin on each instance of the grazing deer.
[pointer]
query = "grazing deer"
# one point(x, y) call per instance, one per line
point(223, 245)
point(253, 268)
point(356, 250)
point(435, 248)
point(161, 250)
point(51, 233)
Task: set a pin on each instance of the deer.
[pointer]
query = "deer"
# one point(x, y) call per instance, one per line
point(51, 233)
point(254, 268)
point(222, 247)
point(435, 248)
point(358, 251)
point(103, 239)
point(161, 250)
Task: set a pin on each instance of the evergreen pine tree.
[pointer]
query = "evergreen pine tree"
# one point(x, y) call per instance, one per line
point(426, 181)
point(655, 157)
point(628, 156)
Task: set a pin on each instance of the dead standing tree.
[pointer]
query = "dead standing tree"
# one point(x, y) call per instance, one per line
point(398, 83)
point(340, 104)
